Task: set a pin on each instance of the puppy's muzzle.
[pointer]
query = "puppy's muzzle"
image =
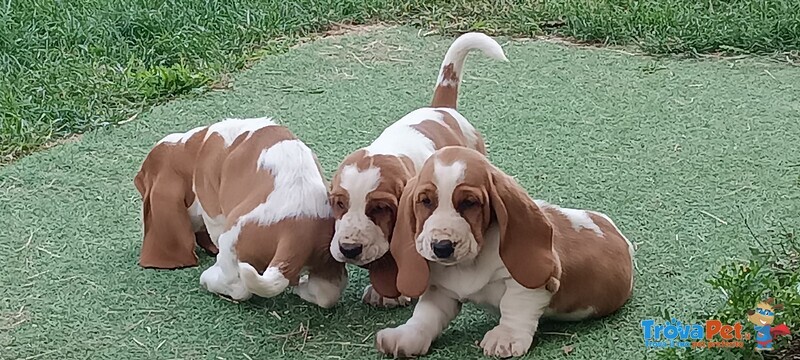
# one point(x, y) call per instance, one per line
point(351, 251)
point(443, 249)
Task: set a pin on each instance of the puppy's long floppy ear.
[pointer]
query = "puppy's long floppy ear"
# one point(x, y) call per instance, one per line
point(412, 269)
point(526, 237)
point(383, 276)
point(168, 237)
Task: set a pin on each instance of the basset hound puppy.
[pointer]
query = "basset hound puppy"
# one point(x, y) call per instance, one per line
point(368, 184)
point(259, 193)
point(468, 232)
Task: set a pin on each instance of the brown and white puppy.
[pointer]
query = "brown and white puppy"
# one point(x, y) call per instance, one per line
point(467, 232)
point(259, 193)
point(368, 184)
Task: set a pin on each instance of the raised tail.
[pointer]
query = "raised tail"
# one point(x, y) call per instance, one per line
point(446, 92)
point(269, 284)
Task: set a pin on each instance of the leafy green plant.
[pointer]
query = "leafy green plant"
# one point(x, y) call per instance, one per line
point(773, 270)
point(159, 81)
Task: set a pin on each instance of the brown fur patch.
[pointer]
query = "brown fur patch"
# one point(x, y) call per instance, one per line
point(446, 95)
point(290, 245)
point(441, 135)
point(596, 270)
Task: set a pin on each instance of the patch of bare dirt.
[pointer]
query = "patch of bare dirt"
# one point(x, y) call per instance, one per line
point(349, 29)
point(381, 50)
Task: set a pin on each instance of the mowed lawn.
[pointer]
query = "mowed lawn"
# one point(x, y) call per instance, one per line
point(71, 66)
point(677, 153)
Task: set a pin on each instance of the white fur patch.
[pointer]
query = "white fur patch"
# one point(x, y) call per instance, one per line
point(446, 178)
point(401, 139)
point(580, 220)
point(230, 129)
point(359, 183)
point(299, 190)
point(470, 281)
point(179, 138)
point(355, 226)
point(270, 283)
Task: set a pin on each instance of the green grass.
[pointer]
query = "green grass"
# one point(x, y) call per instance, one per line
point(656, 144)
point(772, 269)
point(69, 66)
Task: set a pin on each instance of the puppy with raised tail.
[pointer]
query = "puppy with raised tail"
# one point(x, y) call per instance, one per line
point(368, 184)
point(467, 232)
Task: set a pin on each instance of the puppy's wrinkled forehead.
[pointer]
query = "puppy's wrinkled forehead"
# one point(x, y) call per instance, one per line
point(362, 174)
point(452, 166)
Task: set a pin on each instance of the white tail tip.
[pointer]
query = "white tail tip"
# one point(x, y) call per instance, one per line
point(474, 40)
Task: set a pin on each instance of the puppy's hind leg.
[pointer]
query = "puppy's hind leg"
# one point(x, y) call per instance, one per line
point(282, 269)
point(223, 277)
point(323, 287)
point(272, 282)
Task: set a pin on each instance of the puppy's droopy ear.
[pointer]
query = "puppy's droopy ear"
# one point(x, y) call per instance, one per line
point(169, 240)
point(412, 269)
point(526, 237)
point(383, 276)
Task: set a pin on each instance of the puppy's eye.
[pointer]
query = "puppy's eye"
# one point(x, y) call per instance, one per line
point(340, 204)
point(466, 204)
point(425, 201)
point(379, 208)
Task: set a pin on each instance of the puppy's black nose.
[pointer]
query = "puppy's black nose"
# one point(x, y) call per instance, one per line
point(350, 251)
point(443, 248)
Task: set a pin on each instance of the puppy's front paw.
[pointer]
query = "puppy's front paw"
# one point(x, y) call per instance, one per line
point(504, 342)
point(371, 297)
point(402, 341)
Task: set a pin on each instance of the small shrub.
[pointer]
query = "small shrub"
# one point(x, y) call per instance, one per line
point(159, 81)
point(772, 271)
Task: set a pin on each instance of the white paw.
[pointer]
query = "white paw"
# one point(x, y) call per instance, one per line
point(210, 277)
point(402, 341)
point(302, 290)
point(371, 297)
point(504, 342)
point(214, 280)
point(321, 292)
